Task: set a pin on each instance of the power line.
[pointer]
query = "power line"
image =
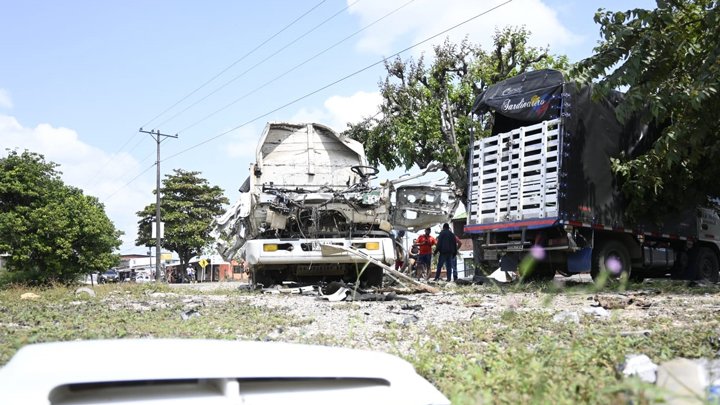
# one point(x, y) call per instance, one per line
point(260, 63)
point(321, 88)
point(236, 62)
point(295, 67)
point(339, 80)
point(128, 183)
point(103, 167)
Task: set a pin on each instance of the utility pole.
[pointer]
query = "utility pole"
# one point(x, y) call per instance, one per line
point(157, 136)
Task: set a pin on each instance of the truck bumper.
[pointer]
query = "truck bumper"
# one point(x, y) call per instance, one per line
point(308, 251)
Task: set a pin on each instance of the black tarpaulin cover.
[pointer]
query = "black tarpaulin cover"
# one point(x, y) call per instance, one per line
point(533, 96)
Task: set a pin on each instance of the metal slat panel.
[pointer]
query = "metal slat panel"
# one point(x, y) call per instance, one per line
point(516, 174)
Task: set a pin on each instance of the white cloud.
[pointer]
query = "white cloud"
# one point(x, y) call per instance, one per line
point(337, 111)
point(242, 143)
point(425, 18)
point(5, 100)
point(88, 168)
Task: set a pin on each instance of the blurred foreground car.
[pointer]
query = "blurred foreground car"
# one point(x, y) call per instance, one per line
point(158, 371)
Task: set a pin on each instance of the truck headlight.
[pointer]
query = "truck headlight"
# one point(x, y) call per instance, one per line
point(270, 247)
point(372, 245)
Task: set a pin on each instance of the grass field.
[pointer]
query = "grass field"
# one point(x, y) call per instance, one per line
point(514, 353)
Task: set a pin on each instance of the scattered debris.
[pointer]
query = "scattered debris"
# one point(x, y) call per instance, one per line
point(567, 317)
point(189, 314)
point(85, 290)
point(642, 332)
point(684, 381)
point(304, 290)
point(621, 301)
point(412, 307)
point(503, 276)
point(480, 305)
point(641, 366)
point(274, 335)
point(599, 312)
point(331, 287)
point(391, 296)
point(410, 319)
point(29, 296)
point(464, 281)
point(338, 295)
point(330, 249)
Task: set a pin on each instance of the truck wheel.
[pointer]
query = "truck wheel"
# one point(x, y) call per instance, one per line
point(372, 276)
point(704, 265)
point(261, 276)
point(612, 258)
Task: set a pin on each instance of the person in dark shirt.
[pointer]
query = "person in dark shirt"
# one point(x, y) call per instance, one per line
point(447, 247)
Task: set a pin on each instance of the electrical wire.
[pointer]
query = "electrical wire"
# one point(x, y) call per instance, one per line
point(236, 62)
point(295, 67)
point(222, 86)
point(313, 92)
point(336, 81)
point(128, 183)
point(98, 173)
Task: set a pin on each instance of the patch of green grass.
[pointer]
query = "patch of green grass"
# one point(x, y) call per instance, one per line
point(505, 355)
point(125, 311)
point(525, 357)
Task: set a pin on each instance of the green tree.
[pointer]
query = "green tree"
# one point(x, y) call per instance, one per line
point(668, 62)
point(51, 231)
point(424, 115)
point(188, 206)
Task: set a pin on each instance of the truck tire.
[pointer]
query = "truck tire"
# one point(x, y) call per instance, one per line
point(261, 276)
point(704, 265)
point(372, 276)
point(611, 257)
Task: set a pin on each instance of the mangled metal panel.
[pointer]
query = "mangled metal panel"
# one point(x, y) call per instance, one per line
point(311, 186)
point(306, 156)
point(420, 206)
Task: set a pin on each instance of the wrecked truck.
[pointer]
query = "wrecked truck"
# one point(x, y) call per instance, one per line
point(309, 189)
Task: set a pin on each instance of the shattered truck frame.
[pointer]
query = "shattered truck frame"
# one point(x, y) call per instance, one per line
point(309, 187)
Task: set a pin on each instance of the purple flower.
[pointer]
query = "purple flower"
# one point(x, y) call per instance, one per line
point(537, 252)
point(613, 265)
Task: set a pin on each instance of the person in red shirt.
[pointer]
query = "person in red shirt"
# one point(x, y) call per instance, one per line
point(425, 245)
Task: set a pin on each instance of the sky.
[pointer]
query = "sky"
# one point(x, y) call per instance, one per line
point(78, 79)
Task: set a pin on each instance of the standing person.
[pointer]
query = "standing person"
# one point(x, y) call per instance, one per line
point(190, 274)
point(399, 250)
point(425, 245)
point(447, 246)
point(454, 258)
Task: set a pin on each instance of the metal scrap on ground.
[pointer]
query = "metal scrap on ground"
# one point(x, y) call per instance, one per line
point(330, 250)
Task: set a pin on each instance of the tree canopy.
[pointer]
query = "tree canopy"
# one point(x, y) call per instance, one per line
point(188, 205)
point(667, 61)
point(424, 115)
point(51, 231)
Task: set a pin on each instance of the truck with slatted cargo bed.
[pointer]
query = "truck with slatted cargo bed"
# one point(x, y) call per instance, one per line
point(542, 184)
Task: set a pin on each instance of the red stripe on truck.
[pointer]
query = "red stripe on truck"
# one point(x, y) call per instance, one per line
point(503, 225)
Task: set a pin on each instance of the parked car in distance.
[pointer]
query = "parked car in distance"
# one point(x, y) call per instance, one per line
point(110, 276)
point(143, 278)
